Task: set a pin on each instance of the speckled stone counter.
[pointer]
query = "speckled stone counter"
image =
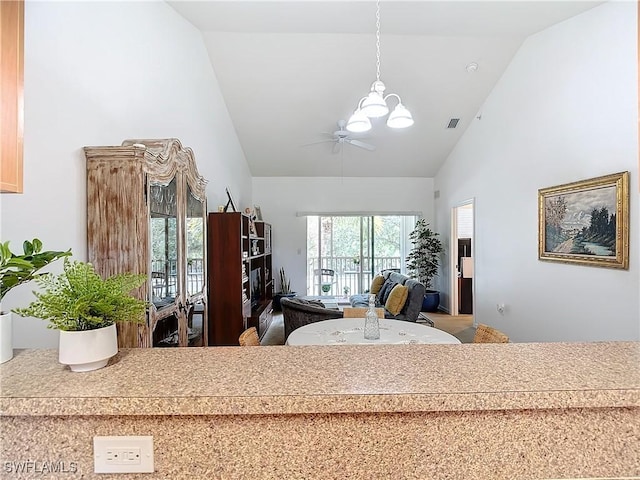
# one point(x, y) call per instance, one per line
point(503, 411)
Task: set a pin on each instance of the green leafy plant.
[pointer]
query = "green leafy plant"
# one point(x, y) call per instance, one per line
point(79, 299)
point(285, 283)
point(423, 260)
point(18, 269)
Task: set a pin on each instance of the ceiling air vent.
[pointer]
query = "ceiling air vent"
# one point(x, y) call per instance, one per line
point(453, 123)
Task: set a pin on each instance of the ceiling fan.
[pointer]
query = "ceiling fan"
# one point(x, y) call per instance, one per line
point(342, 136)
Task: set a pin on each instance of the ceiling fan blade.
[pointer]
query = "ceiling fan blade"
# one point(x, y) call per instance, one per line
point(336, 147)
point(319, 141)
point(358, 135)
point(360, 144)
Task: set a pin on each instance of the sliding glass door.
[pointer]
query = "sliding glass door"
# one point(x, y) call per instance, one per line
point(345, 252)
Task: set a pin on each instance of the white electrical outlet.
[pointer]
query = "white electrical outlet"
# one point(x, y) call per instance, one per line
point(500, 307)
point(123, 454)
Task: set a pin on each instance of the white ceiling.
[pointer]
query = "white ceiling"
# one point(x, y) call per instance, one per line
point(289, 70)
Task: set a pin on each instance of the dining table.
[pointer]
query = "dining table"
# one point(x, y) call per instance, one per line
point(350, 331)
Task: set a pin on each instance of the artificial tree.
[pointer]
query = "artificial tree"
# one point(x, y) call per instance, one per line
point(423, 261)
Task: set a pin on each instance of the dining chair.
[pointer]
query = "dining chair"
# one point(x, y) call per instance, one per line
point(359, 312)
point(487, 334)
point(326, 279)
point(249, 338)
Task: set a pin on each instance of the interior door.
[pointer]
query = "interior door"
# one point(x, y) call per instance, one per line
point(462, 257)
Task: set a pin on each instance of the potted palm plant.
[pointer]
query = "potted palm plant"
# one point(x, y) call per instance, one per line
point(16, 270)
point(85, 308)
point(423, 261)
point(285, 290)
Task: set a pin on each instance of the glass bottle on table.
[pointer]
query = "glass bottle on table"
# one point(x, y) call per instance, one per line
point(371, 323)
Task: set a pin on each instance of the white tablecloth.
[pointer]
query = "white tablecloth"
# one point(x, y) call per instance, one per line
point(350, 331)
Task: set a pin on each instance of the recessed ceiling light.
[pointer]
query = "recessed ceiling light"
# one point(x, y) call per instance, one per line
point(472, 67)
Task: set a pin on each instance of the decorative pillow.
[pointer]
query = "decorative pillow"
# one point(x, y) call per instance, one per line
point(376, 284)
point(396, 299)
point(385, 291)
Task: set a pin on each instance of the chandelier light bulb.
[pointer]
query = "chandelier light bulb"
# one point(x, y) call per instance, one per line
point(400, 117)
point(358, 122)
point(374, 106)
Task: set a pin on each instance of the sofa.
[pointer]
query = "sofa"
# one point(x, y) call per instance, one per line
point(383, 286)
point(297, 312)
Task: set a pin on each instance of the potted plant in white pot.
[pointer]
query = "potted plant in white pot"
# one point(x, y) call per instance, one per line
point(423, 261)
point(85, 308)
point(16, 270)
point(285, 291)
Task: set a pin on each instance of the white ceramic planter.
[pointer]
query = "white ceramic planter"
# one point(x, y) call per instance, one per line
point(6, 340)
point(88, 350)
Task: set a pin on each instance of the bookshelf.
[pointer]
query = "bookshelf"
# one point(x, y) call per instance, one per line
point(241, 276)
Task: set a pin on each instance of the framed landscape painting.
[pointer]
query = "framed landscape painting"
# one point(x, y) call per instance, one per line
point(586, 222)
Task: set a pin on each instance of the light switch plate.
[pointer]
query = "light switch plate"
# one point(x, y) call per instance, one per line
point(125, 454)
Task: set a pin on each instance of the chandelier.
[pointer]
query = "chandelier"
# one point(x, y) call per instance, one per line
point(374, 105)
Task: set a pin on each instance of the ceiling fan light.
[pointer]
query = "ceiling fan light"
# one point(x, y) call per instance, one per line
point(358, 122)
point(374, 106)
point(400, 117)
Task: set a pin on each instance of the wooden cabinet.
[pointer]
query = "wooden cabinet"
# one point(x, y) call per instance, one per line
point(146, 213)
point(264, 318)
point(11, 94)
point(240, 276)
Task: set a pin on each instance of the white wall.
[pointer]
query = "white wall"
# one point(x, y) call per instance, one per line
point(280, 198)
point(96, 74)
point(564, 110)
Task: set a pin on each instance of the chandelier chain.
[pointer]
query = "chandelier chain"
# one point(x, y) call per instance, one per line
point(374, 104)
point(378, 40)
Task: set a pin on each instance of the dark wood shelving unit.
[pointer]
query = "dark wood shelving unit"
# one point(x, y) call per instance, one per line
point(241, 276)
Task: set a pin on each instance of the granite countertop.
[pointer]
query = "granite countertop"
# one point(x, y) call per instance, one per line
point(327, 379)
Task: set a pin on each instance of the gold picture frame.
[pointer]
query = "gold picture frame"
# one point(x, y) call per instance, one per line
point(586, 222)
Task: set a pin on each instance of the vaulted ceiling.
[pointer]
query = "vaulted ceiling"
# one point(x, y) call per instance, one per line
point(290, 70)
